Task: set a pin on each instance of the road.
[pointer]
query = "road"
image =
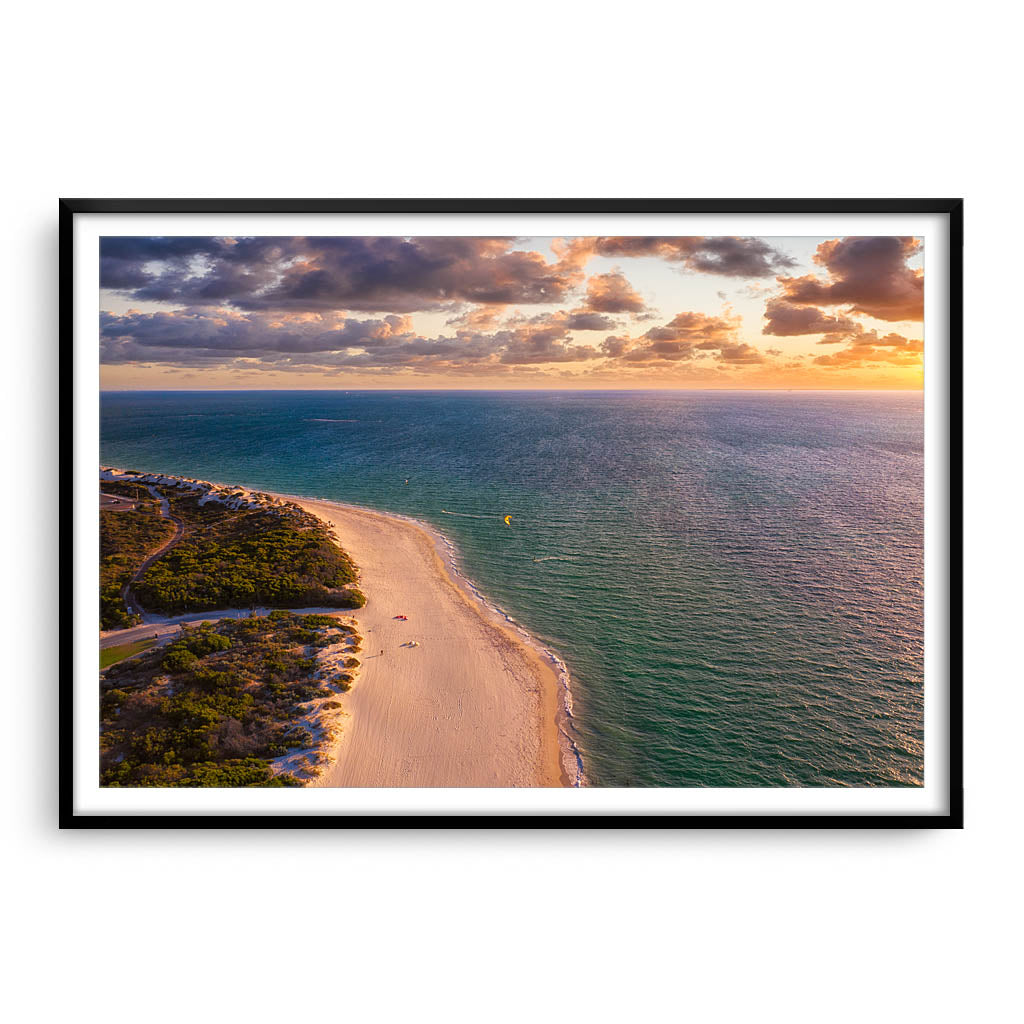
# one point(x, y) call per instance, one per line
point(115, 503)
point(164, 630)
point(167, 628)
point(117, 637)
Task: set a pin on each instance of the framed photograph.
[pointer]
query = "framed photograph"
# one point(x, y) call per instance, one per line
point(634, 513)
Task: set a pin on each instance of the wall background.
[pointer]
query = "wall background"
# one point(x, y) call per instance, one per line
point(568, 99)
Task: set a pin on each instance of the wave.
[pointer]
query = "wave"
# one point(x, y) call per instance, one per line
point(556, 558)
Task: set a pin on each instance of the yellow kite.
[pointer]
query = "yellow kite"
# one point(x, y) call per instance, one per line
point(508, 520)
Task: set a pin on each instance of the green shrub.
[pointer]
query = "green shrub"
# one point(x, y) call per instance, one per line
point(316, 620)
point(205, 641)
point(179, 659)
point(224, 714)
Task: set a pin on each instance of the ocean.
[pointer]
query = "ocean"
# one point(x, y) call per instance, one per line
point(734, 579)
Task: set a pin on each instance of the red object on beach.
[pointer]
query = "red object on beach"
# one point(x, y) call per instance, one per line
point(405, 618)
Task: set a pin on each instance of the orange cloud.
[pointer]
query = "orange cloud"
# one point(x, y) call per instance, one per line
point(786, 320)
point(868, 349)
point(687, 336)
point(612, 293)
point(479, 318)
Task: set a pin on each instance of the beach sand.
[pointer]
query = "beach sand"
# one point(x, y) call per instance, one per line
point(471, 706)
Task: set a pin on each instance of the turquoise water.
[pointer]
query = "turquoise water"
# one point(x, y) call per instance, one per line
point(734, 579)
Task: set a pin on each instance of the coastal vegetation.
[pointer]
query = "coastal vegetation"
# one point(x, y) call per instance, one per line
point(241, 702)
point(274, 555)
point(236, 550)
point(126, 538)
point(237, 702)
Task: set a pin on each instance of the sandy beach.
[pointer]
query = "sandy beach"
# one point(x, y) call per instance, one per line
point(472, 705)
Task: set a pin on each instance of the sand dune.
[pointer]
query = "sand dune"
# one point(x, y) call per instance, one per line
point(472, 705)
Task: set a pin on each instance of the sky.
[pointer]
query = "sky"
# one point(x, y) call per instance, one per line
point(503, 312)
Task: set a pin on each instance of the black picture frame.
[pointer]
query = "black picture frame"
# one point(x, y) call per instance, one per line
point(953, 816)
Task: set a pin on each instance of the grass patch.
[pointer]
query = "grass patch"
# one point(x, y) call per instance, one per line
point(112, 655)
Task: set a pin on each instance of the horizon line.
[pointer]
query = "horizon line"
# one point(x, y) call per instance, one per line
point(213, 391)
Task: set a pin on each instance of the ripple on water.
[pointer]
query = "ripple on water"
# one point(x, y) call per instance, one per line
point(734, 579)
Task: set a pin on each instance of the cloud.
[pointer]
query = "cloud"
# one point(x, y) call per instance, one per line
point(331, 342)
point(338, 305)
point(587, 317)
point(615, 345)
point(383, 274)
point(786, 320)
point(612, 293)
point(740, 354)
point(687, 336)
point(868, 348)
point(547, 339)
point(485, 318)
point(725, 255)
point(372, 274)
point(479, 318)
point(206, 337)
point(866, 275)
point(223, 331)
point(540, 348)
point(586, 320)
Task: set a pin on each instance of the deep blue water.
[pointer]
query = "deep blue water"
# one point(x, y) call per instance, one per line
point(735, 579)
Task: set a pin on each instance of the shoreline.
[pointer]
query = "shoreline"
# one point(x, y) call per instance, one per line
point(558, 705)
point(482, 702)
point(477, 719)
